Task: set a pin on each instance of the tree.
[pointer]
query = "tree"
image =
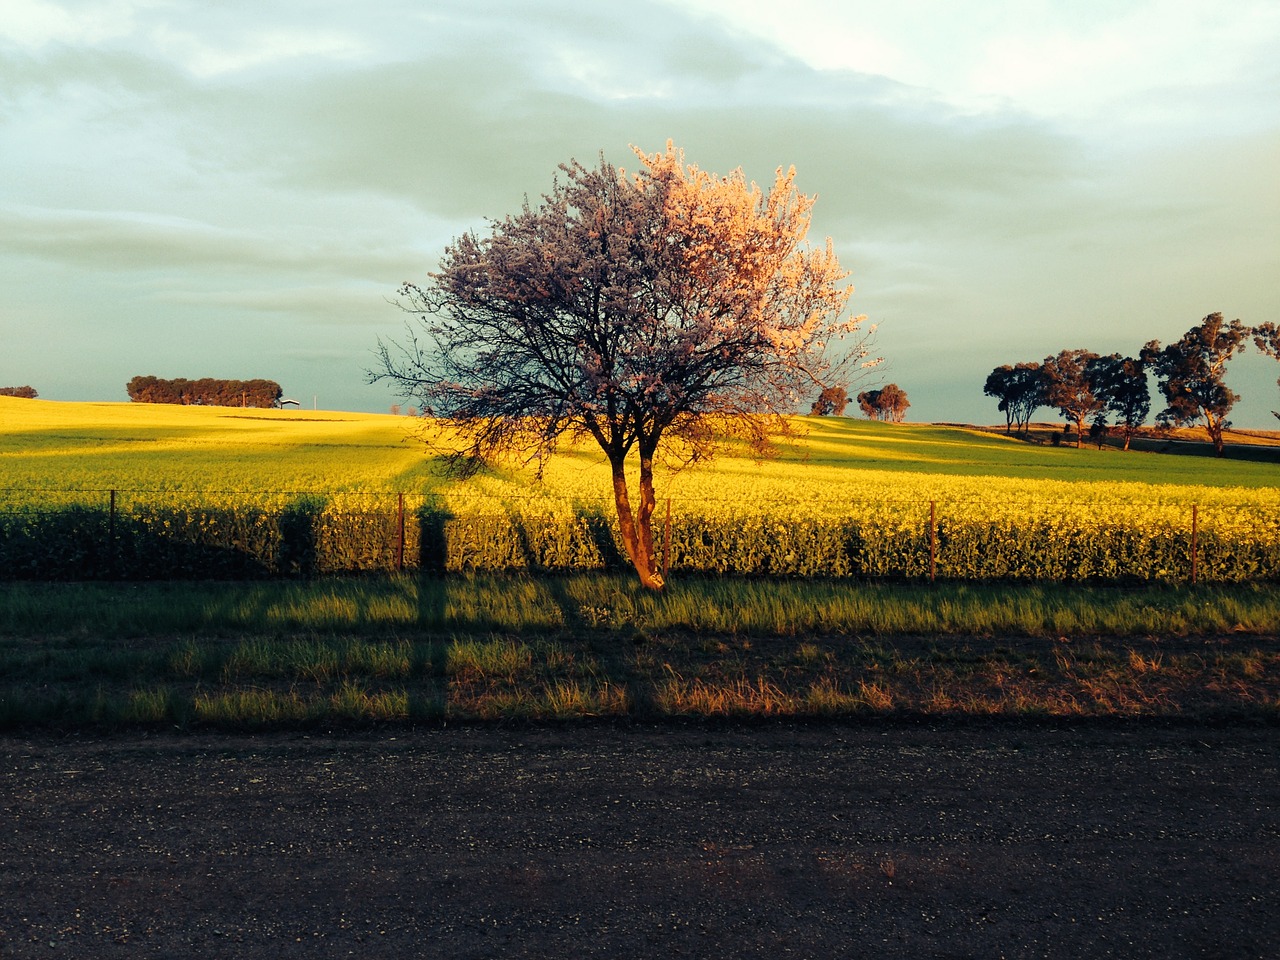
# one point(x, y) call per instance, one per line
point(893, 403)
point(1267, 339)
point(887, 403)
point(207, 390)
point(1067, 387)
point(650, 311)
point(869, 403)
point(832, 401)
point(26, 393)
point(1121, 384)
point(1020, 390)
point(1190, 375)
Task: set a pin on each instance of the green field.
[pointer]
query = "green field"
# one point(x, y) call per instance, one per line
point(94, 446)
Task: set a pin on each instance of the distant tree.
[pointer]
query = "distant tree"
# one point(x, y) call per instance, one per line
point(208, 391)
point(1190, 374)
point(1066, 386)
point(831, 402)
point(888, 403)
point(148, 389)
point(648, 311)
point(26, 393)
point(1020, 390)
point(1121, 384)
point(1267, 339)
point(893, 403)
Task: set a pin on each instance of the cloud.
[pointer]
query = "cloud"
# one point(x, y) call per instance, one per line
point(272, 172)
point(33, 24)
point(256, 49)
point(123, 241)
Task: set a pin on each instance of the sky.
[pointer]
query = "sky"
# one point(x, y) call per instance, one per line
point(238, 189)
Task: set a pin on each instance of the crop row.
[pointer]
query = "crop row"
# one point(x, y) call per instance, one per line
point(880, 539)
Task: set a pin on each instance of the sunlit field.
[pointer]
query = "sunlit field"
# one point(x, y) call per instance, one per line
point(842, 497)
point(164, 447)
point(94, 446)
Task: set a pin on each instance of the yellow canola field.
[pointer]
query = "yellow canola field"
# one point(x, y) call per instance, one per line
point(307, 490)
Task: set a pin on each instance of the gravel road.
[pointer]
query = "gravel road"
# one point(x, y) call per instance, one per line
point(771, 840)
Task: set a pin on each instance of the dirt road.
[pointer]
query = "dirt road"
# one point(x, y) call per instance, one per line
point(898, 840)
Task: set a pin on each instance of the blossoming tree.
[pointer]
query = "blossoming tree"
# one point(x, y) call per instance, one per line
point(665, 309)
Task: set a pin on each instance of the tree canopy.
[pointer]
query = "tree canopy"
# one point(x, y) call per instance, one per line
point(209, 391)
point(1067, 387)
point(1020, 390)
point(1120, 384)
point(1190, 374)
point(663, 307)
point(886, 403)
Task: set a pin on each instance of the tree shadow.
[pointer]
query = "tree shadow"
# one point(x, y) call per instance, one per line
point(298, 552)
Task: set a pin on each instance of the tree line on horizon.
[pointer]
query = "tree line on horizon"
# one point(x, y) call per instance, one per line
point(888, 403)
point(1085, 386)
point(207, 391)
point(26, 393)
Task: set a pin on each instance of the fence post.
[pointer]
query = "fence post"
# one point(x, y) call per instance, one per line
point(933, 540)
point(1195, 536)
point(666, 542)
point(111, 519)
point(400, 532)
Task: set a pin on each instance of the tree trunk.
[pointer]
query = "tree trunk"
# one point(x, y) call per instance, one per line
point(637, 527)
point(1214, 427)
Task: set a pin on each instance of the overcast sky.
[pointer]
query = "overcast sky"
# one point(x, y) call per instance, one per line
point(235, 189)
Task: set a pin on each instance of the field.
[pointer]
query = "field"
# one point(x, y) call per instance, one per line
point(839, 521)
point(213, 744)
point(155, 491)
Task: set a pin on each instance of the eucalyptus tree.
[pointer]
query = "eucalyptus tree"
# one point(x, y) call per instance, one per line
point(1191, 375)
point(886, 403)
point(1020, 388)
point(1067, 387)
point(1120, 383)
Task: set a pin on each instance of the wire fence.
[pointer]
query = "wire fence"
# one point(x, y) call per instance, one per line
point(157, 534)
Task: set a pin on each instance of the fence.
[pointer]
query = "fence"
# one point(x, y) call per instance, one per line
point(123, 535)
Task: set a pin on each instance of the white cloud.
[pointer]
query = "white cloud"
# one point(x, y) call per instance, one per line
point(33, 24)
point(254, 49)
point(1064, 59)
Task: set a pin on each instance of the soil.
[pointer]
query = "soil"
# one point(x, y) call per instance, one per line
point(993, 839)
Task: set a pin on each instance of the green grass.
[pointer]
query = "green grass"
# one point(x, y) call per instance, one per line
point(388, 605)
point(192, 656)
